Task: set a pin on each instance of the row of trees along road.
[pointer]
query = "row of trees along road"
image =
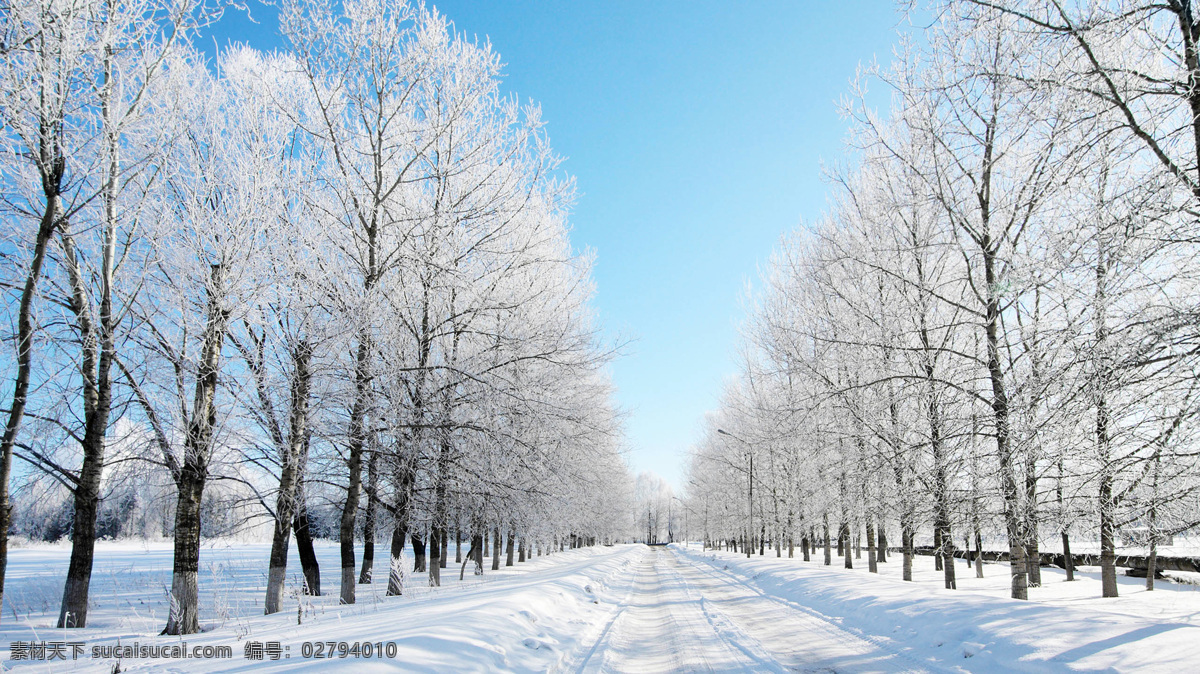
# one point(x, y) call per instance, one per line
point(338, 274)
point(993, 331)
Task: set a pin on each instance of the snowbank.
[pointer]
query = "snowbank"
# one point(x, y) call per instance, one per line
point(978, 628)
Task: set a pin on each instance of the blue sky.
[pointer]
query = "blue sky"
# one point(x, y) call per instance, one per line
point(696, 131)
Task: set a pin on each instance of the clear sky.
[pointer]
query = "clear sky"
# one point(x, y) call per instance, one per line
point(696, 131)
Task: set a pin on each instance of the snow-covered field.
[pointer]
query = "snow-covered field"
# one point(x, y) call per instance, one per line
point(624, 608)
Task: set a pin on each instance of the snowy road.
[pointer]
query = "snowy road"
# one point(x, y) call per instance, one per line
point(681, 616)
point(625, 608)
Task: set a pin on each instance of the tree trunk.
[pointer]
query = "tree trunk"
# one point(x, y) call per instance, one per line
point(906, 542)
point(435, 556)
point(95, 371)
point(358, 410)
point(1000, 413)
point(937, 547)
point(294, 456)
point(462, 570)
point(304, 545)
point(73, 612)
point(1103, 377)
point(368, 558)
point(1108, 552)
point(828, 551)
point(476, 552)
point(804, 547)
point(277, 565)
point(948, 556)
point(418, 543)
point(496, 548)
point(184, 616)
point(979, 554)
point(1033, 556)
point(396, 559)
point(872, 565)
point(508, 547)
point(191, 477)
point(881, 555)
point(1152, 560)
point(845, 534)
point(16, 410)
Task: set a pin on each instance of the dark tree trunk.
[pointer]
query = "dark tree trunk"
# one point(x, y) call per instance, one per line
point(184, 616)
point(1108, 548)
point(277, 564)
point(872, 564)
point(418, 543)
point(881, 557)
point(96, 368)
point(496, 548)
point(192, 476)
point(508, 547)
point(462, 570)
point(294, 455)
point(978, 554)
point(1033, 556)
point(845, 534)
point(828, 550)
point(304, 545)
point(16, 410)
point(358, 411)
point(1068, 562)
point(906, 542)
point(948, 556)
point(73, 612)
point(396, 560)
point(436, 536)
point(369, 517)
point(1152, 558)
point(1000, 412)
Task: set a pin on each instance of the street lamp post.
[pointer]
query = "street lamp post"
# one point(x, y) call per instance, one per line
point(749, 489)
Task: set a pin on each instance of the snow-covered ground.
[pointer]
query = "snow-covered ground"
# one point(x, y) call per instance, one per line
point(624, 609)
point(977, 628)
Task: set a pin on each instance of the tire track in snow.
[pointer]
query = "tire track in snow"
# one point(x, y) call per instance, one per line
point(600, 643)
point(662, 628)
point(729, 631)
point(773, 618)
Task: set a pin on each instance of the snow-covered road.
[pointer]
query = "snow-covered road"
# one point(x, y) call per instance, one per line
point(685, 617)
point(626, 608)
